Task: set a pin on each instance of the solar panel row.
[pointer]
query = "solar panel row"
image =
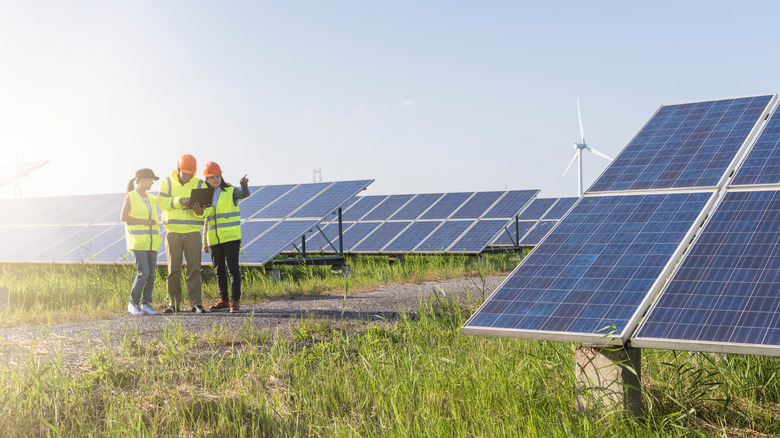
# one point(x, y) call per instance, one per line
point(534, 222)
point(87, 228)
point(462, 222)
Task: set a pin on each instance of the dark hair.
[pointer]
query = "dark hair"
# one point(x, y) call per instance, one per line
point(131, 185)
point(224, 184)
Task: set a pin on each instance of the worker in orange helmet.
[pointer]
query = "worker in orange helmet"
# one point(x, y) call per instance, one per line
point(222, 235)
point(183, 223)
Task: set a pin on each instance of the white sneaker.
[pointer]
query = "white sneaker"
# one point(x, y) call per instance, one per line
point(134, 309)
point(147, 309)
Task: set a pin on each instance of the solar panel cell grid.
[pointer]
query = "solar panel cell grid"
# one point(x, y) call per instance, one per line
point(762, 165)
point(446, 205)
point(359, 209)
point(510, 204)
point(477, 237)
point(686, 145)
point(508, 235)
point(417, 206)
point(379, 238)
point(477, 205)
point(331, 198)
point(725, 289)
point(561, 207)
point(537, 208)
point(389, 206)
point(537, 233)
point(290, 201)
point(444, 236)
point(412, 236)
point(594, 269)
point(260, 197)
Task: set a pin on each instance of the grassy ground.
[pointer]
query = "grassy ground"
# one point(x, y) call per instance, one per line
point(60, 293)
point(420, 377)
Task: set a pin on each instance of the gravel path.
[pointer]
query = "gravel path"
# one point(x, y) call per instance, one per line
point(380, 304)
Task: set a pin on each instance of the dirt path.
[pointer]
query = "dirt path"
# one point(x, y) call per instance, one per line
point(383, 303)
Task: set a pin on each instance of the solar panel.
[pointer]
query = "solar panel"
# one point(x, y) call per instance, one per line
point(561, 207)
point(477, 205)
point(478, 236)
point(762, 164)
point(594, 271)
point(412, 236)
point(508, 237)
point(261, 197)
point(537, 233)
point(724, 295)
point(390, 205)
point(446, 205)
point(444, 236)
point(685, 146)
point(537, 208)
point(329, 200)
point(359, 209)
point(380, 237)
point(507, 206)
point(265, 247)
point(286, 204)
point(417, 206)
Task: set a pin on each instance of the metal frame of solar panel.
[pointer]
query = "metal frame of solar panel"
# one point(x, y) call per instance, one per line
point(430, 223)
point(723, 297)
point(86, 228)
point(594, 276)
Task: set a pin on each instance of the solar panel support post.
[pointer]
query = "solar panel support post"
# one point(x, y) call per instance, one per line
point(517, 230)
point(608, 377)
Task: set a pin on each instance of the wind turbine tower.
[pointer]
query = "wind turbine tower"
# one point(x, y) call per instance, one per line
point(578, 148)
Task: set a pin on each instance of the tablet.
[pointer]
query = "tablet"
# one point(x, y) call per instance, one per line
point(202, 196)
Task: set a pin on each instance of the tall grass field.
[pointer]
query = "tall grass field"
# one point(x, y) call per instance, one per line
point(416, 377)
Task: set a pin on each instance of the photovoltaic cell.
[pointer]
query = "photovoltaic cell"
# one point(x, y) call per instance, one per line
point(537, 233)
point(261, 197)
point(477, 205)
point(442, 238)
point(446, 205)
point(357, 232)
point(390, 205)
point(330, 199)
point(537, 208)
point(762, 165)
point(725, 290)
point(684, 146)
point(510, 204)
point(77, 245)
point(273, 241)
point(291, 201)
point(593, 271)
point(412, 236)
point(561, 207)
point(414, 208)
point(380, 237)
point(359, 209)
point(478, 236)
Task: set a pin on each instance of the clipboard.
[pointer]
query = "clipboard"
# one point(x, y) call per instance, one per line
point(202, 196)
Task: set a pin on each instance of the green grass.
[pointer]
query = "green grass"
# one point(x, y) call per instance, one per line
point(420, 377)
point(59, 293)
point(331, 378)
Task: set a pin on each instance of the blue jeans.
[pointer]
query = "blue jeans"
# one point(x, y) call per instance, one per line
point(146, 262)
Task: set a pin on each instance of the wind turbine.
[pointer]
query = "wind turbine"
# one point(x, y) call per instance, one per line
point(578, 153)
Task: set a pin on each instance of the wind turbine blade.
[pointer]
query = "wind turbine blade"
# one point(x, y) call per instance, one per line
point(600, 154)
point(570, 163)
point(582, 131)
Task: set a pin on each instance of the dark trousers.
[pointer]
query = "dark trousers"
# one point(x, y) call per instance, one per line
point(224, 258)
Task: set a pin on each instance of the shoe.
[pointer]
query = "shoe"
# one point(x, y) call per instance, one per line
point(234, 307)
point(134, 309)
point(198, 309)
point(171, 309)
point(220, 305)
point(147, 309)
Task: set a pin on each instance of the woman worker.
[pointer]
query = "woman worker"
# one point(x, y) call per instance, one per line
point(142, 233)
point(222, 235)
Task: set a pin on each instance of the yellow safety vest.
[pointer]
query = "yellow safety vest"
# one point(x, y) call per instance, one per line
point(142, 237)
point(223, 219)
point(175, 217)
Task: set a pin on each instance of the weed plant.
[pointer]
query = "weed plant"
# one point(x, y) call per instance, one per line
point(419, 377)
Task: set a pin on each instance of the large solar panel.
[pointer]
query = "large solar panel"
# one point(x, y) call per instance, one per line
point(762, 164)
point(690, 145)
point(530, 225)
point(87, 228)
point(463, 222)
point(593, 272)
point(725, 295)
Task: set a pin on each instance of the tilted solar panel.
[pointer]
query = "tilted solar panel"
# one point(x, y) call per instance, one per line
point(561, 207)
point(478, 236)
point(508, 236)
point(594, 271)
point(445, 206)
point(443, 237)
point(762, 164)
point(685, 146)
point(417, 206)
point(537, 233)
point(261, 197)
point(291, 201)
point(725, 295)
point(380, 237)
point(390, 205)
point(412, 236)
point(537, 208)
point(477, 205)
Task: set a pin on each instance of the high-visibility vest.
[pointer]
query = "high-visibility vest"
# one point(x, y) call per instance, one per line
point(223, 219)
point(175, 217)
point(142, 237)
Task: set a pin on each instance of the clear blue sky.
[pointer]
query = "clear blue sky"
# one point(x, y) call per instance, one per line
point(421, 96)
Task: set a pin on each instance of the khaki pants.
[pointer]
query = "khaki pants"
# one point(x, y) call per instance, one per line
point(190, 244)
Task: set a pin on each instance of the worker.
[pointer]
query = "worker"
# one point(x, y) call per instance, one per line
point(183, 223)
point(142, 233)
point(222, 235)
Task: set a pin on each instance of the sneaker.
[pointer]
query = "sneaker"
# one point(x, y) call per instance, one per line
point(234, 307)
point(147, 308)
point(171, 309)
point(220, 305)
point(134, 309)
point(198, 309)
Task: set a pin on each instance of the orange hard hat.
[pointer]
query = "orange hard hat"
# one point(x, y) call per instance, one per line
point(188, 164)
point(212, 169)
